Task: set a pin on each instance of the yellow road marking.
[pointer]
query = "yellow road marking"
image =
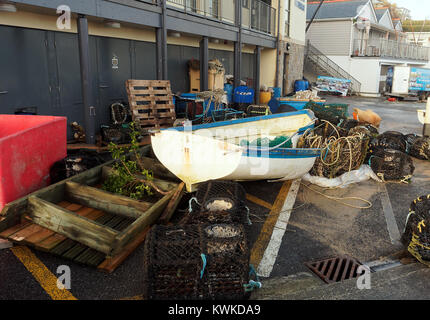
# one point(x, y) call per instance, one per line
point(139, 297)
point(41, 273)
point(258, 201)
point(267, 229)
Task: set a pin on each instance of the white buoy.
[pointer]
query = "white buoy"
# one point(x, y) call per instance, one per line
point(426, 130)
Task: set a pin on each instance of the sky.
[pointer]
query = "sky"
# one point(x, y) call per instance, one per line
point(420, 9)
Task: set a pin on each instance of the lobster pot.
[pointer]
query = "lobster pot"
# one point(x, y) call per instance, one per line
point(218, 202)
point(341, 157)
point(392, 165)
point(417, 231)
point(334, 113)
point(420, 148)
point(197, 262)
point(389, 140)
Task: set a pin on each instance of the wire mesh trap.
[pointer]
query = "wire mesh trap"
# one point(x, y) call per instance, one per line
point(218, 202)
point(389, 140)
point(417, 231)
point(419, 147)
point(196, 262)
point(391, 165)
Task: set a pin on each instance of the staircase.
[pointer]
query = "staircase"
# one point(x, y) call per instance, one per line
point(317, 63)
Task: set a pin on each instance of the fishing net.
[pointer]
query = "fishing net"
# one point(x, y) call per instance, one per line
point(339, 156)
point(417, 230)
point(335, 113)
point(218, 202)
point(195, 262)
point(420, 148)
point(392, 165)
point(282, 141)
point(389, 140)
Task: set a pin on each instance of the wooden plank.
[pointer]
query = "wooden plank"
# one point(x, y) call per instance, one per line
point(106, 201)
point(145, 221)
point(110, 264)
point(158, 169)
point(71, 225)
point(173, 204)
point(8, 232)
point(44, 233)
point(150, 116)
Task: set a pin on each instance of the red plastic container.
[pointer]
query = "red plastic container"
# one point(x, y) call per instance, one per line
point(29, 146)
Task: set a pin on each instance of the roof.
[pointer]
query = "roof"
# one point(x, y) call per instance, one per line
point(335, 9)
point(380, 12)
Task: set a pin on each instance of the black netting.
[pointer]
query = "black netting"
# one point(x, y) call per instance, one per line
point(420, 148)
point(341, 156)
point(417, 230)
point(218, 202)
point(392, 165)
point(389, 140)
point(196, 262)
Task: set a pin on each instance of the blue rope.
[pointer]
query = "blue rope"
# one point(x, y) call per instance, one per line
point(204, 265)
point(190, 208)
point(252, 285)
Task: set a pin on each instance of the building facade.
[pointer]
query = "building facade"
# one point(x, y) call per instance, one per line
point(363, 41)
point(72, 58)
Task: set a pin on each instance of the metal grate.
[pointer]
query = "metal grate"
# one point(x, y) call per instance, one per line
point(335, 269)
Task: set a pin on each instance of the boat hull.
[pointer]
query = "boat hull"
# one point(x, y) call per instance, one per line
point(195, 157)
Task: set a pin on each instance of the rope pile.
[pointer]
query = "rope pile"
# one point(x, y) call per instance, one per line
point(339, 154)
point(416, 235)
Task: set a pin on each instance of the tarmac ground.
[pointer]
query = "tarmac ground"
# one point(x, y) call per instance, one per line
point(315, 228)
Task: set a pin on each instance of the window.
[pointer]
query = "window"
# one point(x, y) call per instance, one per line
point(245, 3)
point(287, 10)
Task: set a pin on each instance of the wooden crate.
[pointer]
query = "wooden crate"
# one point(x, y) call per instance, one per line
point(76, 220)
point(151, 103)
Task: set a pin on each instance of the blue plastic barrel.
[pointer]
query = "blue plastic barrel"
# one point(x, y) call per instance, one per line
point(301, 85)
point(228, 88)
point(243, 94)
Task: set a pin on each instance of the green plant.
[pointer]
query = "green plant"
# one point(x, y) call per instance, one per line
point(129, 177)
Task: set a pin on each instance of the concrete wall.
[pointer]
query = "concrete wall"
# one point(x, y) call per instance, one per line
point(294, 67)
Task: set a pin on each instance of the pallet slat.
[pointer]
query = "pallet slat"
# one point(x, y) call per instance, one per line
point(150, 93)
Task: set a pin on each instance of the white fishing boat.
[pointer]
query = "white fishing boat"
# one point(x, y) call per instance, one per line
point(227, 150)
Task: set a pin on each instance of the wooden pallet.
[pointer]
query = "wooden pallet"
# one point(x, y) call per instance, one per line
point(151, 103)
point(76, 220)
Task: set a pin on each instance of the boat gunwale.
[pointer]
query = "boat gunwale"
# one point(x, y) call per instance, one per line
point(245, 120)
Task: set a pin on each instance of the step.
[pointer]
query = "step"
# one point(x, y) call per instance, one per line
point(278, 287)
point(405, 282)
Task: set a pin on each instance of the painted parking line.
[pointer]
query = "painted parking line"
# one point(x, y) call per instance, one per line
point(265, 235)
point(392, 227)
point(258, 201)
point(271, 253)
point(46, 279)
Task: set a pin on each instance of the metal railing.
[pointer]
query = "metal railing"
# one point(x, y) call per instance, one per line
point(389, 49)
point(315, 56)
point(256, 15)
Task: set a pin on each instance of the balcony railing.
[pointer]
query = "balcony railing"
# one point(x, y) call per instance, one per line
point(256, 15)
point(389, 49)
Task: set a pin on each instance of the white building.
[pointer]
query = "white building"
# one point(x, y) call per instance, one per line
point(363, 42)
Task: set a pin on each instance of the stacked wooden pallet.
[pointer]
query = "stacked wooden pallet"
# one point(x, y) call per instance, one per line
point(76, 220)
point(151, 103)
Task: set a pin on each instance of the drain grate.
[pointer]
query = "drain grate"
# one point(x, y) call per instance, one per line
point(335, 269)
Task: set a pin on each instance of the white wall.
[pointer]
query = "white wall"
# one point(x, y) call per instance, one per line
point(367, 71)
point(297, 20)
point(331, 37)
